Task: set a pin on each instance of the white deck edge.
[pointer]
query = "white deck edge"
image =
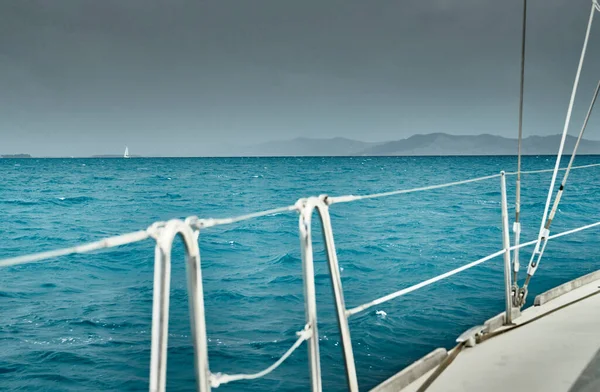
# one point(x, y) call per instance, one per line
point(565, 288)
point(412, 372)
point(497, 321)
point(417, 372)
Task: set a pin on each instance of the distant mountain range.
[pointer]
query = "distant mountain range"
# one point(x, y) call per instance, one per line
point(421, 145)
point(433, 144)
point(15, 156)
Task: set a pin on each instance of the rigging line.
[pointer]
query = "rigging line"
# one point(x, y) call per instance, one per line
point(203, 223)
point(517, 224)
point(573, 154)
point(521, 108)
point(410, 289)
point(551, 170)
point(532, 267)
point(566, 176)
point(110, 242)
point(348, 198)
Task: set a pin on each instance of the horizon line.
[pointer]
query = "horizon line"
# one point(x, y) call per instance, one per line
point(287, 156)
point(115, 155)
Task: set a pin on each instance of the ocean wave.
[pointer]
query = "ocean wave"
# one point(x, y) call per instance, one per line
point(62, 357)
point(4, 370)
point(64, 200)
point(286, 258)
point(285, 279)
point(21, 202)
point(6, 294)
point(53, 377)
point(102, 324)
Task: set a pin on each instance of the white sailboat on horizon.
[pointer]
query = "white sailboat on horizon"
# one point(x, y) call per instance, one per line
point(126, 154)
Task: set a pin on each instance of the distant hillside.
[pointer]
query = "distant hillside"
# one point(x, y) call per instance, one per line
point(429, 144)
point(15, 156)
point(444, 144)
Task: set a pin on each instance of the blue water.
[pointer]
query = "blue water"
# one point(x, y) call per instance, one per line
point(82, 322)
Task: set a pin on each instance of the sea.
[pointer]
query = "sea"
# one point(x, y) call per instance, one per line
point(82, 322)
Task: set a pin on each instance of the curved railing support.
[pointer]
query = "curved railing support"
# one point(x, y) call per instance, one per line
point(160, 305)
point(307, 207)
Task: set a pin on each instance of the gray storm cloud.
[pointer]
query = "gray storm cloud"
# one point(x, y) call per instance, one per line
point(187, 78)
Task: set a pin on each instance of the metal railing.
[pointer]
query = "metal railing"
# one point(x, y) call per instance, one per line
point(160, 304)
point(189, 230)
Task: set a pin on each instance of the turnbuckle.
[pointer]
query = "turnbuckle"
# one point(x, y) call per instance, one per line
point(518, 295)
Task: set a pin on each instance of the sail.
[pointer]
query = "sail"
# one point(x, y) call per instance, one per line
point(126, 155)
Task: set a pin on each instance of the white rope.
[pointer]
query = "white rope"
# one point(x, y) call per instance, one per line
point(573, 155)
point(348, 198)
point(517, 224)
point(210, 222)
point(561, 190)
point(574, 230)
point(551, 170)
point(137, 236)
point(455, 271)
point(110, 242)
point(417, 286)
point(217, 379)
point(532, 267)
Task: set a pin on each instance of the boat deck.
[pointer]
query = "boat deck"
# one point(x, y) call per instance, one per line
point(557, 352)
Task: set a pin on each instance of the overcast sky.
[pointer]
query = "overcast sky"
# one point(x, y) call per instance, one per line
point(80, 77)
